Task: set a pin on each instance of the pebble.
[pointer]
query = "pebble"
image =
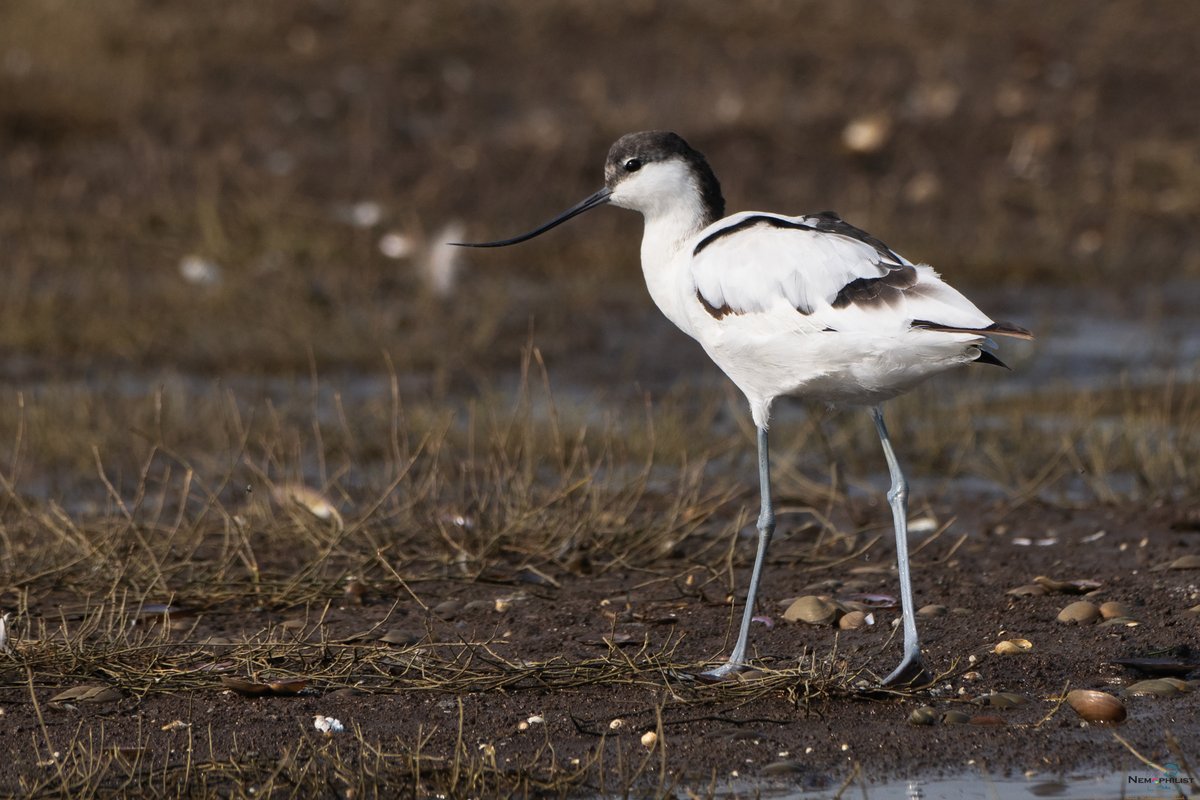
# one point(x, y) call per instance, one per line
point(1080, 612)
point(1095, 706)
point(855, 620)
point(811, 609)
point(1112, 610)
point(1010, 647)
point(932, 611)
point(867, 135)
point(782, 768)
point(1002, 700)
point(925, 715)
point(1156, 687)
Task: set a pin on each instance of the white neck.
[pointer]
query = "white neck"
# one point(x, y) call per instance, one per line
point(665, 257)
point(670, 201)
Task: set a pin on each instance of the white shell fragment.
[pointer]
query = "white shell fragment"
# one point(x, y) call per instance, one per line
point(394, 244)
point(199, 271)
point(328, 725)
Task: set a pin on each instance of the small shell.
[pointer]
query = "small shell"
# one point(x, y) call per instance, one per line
point(1156, 687)
point(1010, 647)
point(328, 725)
point(649, 738)
point(1113, 610)
point(1096, 706)
point(925, 715)
point(1067, 587)
point(1002, 700)
point(616, 724)
point(868, 134)
point(854, 620)
point(932, 611)
point(812, 609)
point(1080, 612)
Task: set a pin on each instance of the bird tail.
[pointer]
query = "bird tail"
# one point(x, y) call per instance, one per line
point(995, 329)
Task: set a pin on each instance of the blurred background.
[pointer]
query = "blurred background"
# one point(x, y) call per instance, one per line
point(228, 190)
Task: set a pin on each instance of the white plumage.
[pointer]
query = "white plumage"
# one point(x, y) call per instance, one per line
point(805, 306)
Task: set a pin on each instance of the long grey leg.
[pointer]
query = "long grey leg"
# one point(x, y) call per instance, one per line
point(912, 668)
point(766, 527)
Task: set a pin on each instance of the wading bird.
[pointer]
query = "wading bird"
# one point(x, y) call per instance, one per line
point(806, 306)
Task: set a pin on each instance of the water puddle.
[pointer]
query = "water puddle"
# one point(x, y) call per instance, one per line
point(1142, 783)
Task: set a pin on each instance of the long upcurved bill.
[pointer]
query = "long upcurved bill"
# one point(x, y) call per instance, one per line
point(598, 199)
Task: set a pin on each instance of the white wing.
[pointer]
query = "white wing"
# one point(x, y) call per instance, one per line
point(827, 270)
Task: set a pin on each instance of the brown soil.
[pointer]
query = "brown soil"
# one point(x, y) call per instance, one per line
point(1028, 145)
point(792, 729)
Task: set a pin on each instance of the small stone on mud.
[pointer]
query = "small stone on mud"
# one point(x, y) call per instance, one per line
point(1028, 590)
point(448, 608)
point(1082, 586)
point(780, 768)
point(855, 620)
point(327, 725)
point(1010, 647)
point(1095, 706)
point(1155, 687)
point(1112, 609)
point(1079, 613)
point(813, 610)
point(1002, 700)
point(355, 591)
point(649, 738)
point(932, 611)
point(925, 715)
point(955, 718)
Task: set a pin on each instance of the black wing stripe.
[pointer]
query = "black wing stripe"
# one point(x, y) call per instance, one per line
point(830, 222)
point(749, 222)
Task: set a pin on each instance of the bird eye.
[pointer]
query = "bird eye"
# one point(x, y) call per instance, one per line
point(633, 165)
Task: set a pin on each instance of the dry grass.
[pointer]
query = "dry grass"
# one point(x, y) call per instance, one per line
point(176, 455)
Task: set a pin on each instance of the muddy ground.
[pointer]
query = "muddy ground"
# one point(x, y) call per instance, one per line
point(809, 729)
point(219, 241)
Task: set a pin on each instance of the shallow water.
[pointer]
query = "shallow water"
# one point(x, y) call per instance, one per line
point(1142, 783)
